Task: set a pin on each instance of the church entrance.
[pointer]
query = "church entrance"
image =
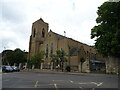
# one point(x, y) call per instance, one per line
point(81, 61)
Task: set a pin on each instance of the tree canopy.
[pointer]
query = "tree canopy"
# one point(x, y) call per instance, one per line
point(107, 32)
point(14, 56)
point(7, 56)
point(59, 56)
point(37, 59)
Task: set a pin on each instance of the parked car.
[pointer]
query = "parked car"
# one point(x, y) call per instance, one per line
point(16, 68)
point(7, 69)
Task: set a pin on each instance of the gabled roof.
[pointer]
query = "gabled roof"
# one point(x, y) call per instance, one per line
point(58, 35)
point(40, 20)
point(75, 52)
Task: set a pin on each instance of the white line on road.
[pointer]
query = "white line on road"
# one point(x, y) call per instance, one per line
point(98, 84)
point(80, 87)
point(55, 85)
point(36, 84)
point(71, 81)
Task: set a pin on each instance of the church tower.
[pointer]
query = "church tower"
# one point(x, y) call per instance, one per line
point(38, 35)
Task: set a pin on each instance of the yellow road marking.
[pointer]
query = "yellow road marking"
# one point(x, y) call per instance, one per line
point(55, 85)
point(36, 84)
point(98, 84)
point(74, 82)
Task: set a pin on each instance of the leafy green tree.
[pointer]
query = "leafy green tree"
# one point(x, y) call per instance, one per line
point(37, 59)
point(59, 58)
point(17, 56)
point(7, 57)
point(107, 32)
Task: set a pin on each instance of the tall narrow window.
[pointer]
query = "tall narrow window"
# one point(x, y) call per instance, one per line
point(47, 51)
point(51, 52)
point(87, 54)
point(43, 33)
point(34, 32)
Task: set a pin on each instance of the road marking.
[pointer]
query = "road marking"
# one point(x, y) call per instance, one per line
point(80, 87)
point(63, 81)
point(36, 84)
point(83, 83)
point(98, 84)
point(94, 83)
point(59, 80)
point(55, 85)
point(71, 81)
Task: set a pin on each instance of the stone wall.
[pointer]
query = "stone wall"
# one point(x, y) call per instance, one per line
point(39, 43)
point(86, 66)
point(113, 65)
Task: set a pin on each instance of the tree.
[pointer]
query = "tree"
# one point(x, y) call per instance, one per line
point(107, 32)
point(7, 57)
point(108, 29)
point(59, 58)
point(37, 59)
point(17, 56)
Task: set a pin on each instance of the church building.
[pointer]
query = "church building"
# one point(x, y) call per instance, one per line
point(79, 55)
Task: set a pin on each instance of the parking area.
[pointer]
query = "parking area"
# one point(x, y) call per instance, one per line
point(46, 79)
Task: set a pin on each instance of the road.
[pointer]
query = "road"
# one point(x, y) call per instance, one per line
point(47, 79)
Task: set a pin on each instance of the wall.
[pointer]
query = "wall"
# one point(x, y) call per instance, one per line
point(112, 65)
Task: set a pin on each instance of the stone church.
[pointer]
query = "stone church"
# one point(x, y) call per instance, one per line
point(43, 39)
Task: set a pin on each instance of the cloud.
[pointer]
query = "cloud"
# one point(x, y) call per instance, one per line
point(13, 12)
point(76, 17)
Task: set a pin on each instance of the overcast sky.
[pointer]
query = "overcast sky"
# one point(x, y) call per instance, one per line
point(76, 17)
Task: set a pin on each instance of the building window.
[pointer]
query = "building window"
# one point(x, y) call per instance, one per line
point(47, 51)
point(87, 54)
point(34, 32)
point(61, 49)
point(51, 52)
point(43, 33)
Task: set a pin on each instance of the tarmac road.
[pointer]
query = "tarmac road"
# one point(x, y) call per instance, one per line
point(57, 80)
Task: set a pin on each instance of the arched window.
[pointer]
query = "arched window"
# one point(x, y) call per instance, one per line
point(34, 32)
point(43, 33)
point(87, 54)
point(51, 49)
point(47, 51)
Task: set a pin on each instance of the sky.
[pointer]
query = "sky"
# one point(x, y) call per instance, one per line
point(75, 17)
